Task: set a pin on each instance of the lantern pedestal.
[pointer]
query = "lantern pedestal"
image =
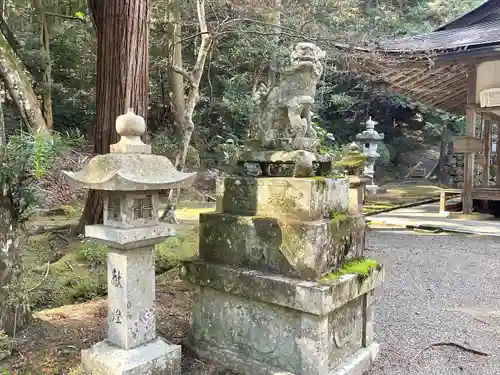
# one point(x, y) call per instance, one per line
point(154, 358)
point(132, 346)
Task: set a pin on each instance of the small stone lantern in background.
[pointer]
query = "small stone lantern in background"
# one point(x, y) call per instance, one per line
point(369, 139)
point(131, 178)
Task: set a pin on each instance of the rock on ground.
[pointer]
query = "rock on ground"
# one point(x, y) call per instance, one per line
point(438, 288)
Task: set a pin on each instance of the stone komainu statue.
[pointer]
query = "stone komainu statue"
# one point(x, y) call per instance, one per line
point(283, 112)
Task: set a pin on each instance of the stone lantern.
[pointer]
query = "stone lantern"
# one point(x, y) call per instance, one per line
point(369, 139)
point(131, 178)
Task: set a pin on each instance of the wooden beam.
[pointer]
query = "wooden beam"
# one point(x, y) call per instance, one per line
point(494, 117)
point(422, 78)
point(453, 108)
point(436, 86)
point(467, 144)
point(459, 92)
point(488, 132)
point(470, 130)
point(449, 93)
point(443, 90)
point(486, 109)
point(497, 171)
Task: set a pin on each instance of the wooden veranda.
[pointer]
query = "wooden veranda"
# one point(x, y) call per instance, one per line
point(455, 68)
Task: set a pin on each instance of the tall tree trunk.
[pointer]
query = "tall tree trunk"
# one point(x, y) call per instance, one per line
point(176, 80)
point(14, 311)
point(46, 63)
point(273, 69)
point(2, 119)
point(18, 83)
point(194, 78)
point(122, 28)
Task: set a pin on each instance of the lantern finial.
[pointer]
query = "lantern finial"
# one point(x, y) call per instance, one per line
point(130, 127)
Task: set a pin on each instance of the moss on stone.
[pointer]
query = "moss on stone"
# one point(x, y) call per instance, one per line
point(360, 267)
point(341, 229)
point(351, 160)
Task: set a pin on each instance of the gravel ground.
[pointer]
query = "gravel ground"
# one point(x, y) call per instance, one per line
point(438, 288)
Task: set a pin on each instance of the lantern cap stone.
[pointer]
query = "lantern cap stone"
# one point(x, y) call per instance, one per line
point(370, 134)
point(129, 172)
point(130, 166)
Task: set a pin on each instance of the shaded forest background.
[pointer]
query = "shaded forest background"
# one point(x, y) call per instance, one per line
point(55, 41)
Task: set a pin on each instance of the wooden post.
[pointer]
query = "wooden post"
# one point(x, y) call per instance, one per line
point(470, 130)
point(488, 132)
point(443, 154)
point(497, 171)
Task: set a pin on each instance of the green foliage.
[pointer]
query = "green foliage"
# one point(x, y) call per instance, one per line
point(86, 289)
point(240, 59)
point(23, 161)
point(227, 151)
point(174, 250)
point(5, 345)
point(94, 254)
point(385, 155)
point(163, 145)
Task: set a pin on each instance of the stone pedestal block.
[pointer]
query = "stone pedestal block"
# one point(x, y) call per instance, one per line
point(304, 249)
point(313, 198)
point(258, 323)
point(131, 297)
point(155, 358)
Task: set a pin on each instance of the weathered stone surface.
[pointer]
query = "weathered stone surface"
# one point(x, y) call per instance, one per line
point(131, 209)
point(131, 297)
point(304, 249)
point(306, 164)
point(155, 358)
point(128, 172)
point(281, 115)
point(300, 198)
point(358, 363)
point(126, 239)
point(312, 297)
point(232, 321)
point(130, 177)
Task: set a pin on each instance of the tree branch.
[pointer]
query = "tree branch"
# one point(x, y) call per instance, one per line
point(51, 14)
point(183, 72)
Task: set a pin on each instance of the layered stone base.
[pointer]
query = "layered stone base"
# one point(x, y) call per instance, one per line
point(304, 249)
point(155, 358)
point(259, 323)
point(357, 364)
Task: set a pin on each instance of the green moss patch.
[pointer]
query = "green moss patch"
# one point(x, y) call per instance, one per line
point(360, 267)
point(351, 161)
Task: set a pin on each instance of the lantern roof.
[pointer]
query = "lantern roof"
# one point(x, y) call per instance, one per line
point(130, 165)
point(370, 134)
